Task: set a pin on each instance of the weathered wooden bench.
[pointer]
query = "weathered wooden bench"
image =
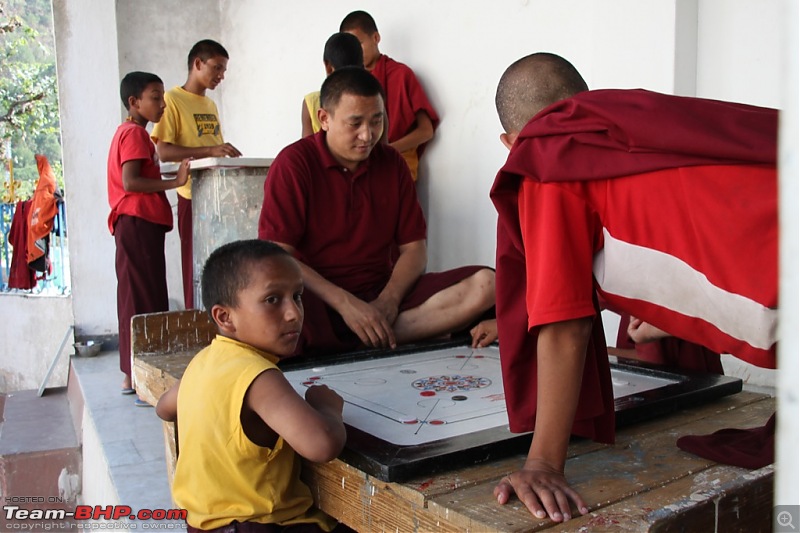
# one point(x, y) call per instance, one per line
point(641, 483)
point(161, 345)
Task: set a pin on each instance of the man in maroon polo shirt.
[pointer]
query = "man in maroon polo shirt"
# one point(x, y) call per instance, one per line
point(342, 203)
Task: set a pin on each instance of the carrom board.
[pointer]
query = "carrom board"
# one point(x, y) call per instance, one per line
point(426, 408)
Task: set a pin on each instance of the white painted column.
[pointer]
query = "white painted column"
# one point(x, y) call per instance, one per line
point(90, 109)
point(787, 471)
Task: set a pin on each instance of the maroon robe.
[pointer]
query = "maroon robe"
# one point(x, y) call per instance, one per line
point(404, 98)
point(600, 135)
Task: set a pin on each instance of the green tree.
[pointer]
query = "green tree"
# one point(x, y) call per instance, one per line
point(28, 92)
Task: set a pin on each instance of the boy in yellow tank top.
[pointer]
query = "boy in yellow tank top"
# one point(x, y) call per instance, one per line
point(242, 427)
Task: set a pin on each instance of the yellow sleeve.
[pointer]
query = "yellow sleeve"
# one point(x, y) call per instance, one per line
point(168, 127)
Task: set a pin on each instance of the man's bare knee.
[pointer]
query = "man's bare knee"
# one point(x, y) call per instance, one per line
point(482, 288)
point(485, 278)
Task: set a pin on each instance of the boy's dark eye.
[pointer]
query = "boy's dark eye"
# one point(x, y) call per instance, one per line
point(272, 299)
point(298, 297)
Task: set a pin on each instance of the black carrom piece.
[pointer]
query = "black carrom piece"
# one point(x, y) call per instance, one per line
point(392, 462)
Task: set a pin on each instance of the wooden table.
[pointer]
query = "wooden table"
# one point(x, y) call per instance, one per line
point(641, 483)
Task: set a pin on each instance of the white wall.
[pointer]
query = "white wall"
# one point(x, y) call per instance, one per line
point(740, 51)
point(458, 49)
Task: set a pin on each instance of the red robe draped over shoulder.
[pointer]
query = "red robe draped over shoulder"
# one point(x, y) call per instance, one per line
point(404, 97)
point(599, 135)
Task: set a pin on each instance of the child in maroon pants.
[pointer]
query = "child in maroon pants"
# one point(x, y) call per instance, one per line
point(140, 214)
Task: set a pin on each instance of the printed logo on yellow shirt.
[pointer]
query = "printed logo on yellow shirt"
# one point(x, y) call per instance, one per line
point(207, 124)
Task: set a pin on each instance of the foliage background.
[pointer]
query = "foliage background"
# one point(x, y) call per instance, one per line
point(28, 92)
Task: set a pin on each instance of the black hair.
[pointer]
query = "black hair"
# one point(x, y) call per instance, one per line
point(227, 269)
point(205, 50)
point(348, 80)
point(343, 50)
point(134, 83)
point(532, 83)
point(359, 20)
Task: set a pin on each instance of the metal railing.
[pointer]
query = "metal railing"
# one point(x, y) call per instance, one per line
point(54, 282)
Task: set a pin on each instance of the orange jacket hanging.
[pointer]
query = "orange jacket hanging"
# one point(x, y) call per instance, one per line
point(44, 208)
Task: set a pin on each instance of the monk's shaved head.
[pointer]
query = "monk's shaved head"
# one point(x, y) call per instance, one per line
point(532, 83)
point(359, 20)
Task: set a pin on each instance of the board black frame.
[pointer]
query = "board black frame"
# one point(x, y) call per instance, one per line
point(393, 462)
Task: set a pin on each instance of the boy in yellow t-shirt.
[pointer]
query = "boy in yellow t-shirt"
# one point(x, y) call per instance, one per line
point(241, 425)
point(190, 128)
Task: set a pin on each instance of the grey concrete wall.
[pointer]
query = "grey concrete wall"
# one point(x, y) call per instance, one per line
point(31, 330)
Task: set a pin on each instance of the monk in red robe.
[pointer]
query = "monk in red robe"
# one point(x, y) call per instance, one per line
point(664, 206)
point(412, 119)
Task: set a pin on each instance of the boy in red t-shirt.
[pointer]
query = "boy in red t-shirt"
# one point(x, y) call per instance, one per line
point(140, 214)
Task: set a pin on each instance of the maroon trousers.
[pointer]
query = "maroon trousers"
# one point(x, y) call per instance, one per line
point(141, 276)
point(185, 233)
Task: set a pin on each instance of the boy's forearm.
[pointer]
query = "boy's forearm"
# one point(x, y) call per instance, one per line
point(332, 413)
point(422, 133)
point(561, 353)
point(173, 152)
point(167, 405)
point(335, 434)
point(335, 425)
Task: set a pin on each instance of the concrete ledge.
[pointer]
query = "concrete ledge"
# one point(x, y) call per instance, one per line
point(39, 458)
point(123, 447)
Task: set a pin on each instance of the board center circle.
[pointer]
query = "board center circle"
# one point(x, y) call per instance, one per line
point(451, 383)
